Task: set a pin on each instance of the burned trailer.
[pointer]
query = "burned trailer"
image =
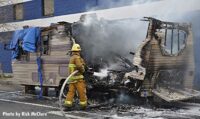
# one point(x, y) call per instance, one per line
point(166, 61)
point(55, 42)
point(163, 64)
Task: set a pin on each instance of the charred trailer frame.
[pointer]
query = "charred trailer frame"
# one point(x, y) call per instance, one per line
point(167, 59)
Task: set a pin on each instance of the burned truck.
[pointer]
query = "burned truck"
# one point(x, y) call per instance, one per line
point(163, 64)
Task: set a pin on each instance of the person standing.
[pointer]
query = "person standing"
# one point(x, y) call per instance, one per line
point(76, 82)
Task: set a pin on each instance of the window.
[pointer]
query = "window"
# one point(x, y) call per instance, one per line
point(173, 40)
point(48, 7)
point(18, 11)
point(45, 45)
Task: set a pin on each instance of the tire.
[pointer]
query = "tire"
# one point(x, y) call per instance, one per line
point(29, 89)
point(45, 91)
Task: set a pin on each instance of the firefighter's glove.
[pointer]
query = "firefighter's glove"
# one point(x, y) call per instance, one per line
point(89, 71)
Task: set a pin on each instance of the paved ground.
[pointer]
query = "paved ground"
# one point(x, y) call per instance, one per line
point(11, 110)
point(14, 103)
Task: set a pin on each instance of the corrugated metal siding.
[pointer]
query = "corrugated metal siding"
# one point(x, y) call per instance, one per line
point(5, 37)
point(69, 6)
point(32, 9)
point(105, 4)
point(5, 59)
point(6, 14)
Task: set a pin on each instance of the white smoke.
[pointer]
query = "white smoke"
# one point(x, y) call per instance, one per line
point(102, 74)
point(161, 9)
point(125, 35)
point(104, 39)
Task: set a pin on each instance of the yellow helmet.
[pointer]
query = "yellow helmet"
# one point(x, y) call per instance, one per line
point(76, 47)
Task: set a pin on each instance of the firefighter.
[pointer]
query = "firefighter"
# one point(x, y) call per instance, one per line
point(76, 82)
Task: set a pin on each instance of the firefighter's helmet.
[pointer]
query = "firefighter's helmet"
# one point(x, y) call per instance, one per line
point(76, 47)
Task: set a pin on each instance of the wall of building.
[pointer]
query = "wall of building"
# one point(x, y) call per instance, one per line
point(6, 14)
point(69, 7)
point(5, 55)
point(34, 9)
point(5, 59)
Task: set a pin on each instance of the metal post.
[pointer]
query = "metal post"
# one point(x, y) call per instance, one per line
point(172, 41)
point(184, 38)
point(178, 41)
point(165, 35)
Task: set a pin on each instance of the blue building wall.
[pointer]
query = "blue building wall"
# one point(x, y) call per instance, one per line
point(69, 6)
point(6, 14)
point(5, 59)
point(33, 9)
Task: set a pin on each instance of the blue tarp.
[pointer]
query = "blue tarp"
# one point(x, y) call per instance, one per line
point(29, 38)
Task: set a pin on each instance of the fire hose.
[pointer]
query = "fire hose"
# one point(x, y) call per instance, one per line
point(62, 89)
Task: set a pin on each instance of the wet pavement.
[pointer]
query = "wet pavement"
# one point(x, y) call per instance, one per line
point(14, 103)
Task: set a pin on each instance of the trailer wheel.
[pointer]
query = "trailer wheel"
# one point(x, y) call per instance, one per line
point(45, 91)
point(29, 89)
